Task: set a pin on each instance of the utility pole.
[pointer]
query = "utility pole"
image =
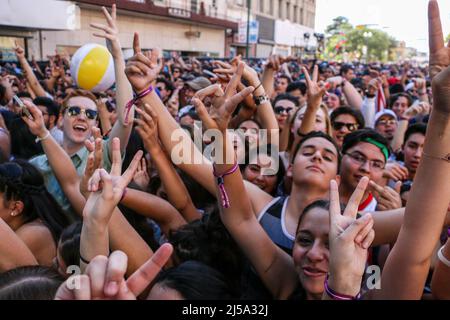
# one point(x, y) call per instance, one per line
point(249, 2)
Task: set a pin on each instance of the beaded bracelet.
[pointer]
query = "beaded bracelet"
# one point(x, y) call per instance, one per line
point(135, 99)
point(339, 296)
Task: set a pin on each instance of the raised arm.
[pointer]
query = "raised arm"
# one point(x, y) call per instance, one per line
point(106, 189)
point(29, 74)
point(274, 267)
point(155, 208)
point(14, 252)
point(314, 100)
point(440, 286)
point(174, 139)
point(349, 240)
point(351, 94)
point(176, 191)
point(123, 126)
point(407, 266)
point(58, 159)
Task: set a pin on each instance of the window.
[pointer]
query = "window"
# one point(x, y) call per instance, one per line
point(301, 16)
point(194, 5)
point(288, 10)
point(295, 14)
point(280, 9)
point(261, 6)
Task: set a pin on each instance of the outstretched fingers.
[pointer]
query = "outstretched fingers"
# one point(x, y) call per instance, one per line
point(233, 102)
point(140, 280)
point(203, 113)
point(232, 85)
point(131, 170)
point(436, 36)
point(136, 44)
point(352, 207)
point(335, 209)
point(214, 89)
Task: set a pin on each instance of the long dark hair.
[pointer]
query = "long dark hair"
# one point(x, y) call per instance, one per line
point(208, 241)
point(196, 281)
point(29, 283)
point(20, 180)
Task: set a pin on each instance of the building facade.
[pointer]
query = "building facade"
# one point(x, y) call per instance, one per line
point(191, 27)
point(285, 26)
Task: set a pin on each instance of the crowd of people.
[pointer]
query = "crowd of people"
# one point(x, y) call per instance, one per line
point(98, 200)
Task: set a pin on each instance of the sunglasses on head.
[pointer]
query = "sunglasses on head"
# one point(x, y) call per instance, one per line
point(279, 110)
point(75, 111)
point(350, 126)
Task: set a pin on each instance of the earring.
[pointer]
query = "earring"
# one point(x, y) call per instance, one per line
point(13, 213)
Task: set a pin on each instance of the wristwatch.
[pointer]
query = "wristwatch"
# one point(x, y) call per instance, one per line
point(261, 99)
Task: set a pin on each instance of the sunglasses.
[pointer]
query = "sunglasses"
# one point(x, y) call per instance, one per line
point(279, 110)
point(386, 122)
point(350, 126)
point(75, 111)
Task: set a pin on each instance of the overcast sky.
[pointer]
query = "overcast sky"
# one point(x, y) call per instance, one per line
point(404, 19)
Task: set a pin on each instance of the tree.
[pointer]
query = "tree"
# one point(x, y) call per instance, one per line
point(346, 41)
point(448, 38)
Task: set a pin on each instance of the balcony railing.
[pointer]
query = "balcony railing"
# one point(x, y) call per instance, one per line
point(193, 10)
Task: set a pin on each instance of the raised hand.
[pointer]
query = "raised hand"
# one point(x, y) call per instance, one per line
point(275, 61)
point(36, 123)
point(147, 128)
point(140, 70)
point(94, 161)
point(349, 239)
point(110, 31)
point(228, 69)
point(223, 103)
point(20, 52)
point(314, 93)
point(439, 60)
point(387, 198)
point(104, 278)
point(106, 188)
point(141, 177)
point(395, 171)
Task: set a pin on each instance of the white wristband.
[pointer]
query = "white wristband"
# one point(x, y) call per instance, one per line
point(43, 138)
point(443, 259)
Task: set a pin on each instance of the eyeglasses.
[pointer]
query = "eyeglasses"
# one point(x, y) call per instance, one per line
point(387, 122)
point(75, 111)
point(350, 126)
point(361, 160)
point(279, 110)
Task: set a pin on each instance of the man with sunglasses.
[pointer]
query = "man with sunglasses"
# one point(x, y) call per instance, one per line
point(79, 117)
point(345, 120)
point(386, 124)
point(283, 106)
point(165, 89)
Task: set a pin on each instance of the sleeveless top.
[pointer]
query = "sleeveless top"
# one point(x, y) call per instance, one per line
point(273, 218)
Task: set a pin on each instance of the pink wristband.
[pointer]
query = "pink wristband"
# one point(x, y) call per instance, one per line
point(135, 99)
point(220, 183)
point(338, 296)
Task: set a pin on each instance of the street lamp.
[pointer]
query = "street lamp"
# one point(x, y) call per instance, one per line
point(249, 3)
point(367, 35)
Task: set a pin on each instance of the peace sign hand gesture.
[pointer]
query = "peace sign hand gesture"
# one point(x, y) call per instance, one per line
point(104, 278)
point(223, 103)
point(107, 188)
point(349, 240)
point(315, 92)
point(111, 31)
